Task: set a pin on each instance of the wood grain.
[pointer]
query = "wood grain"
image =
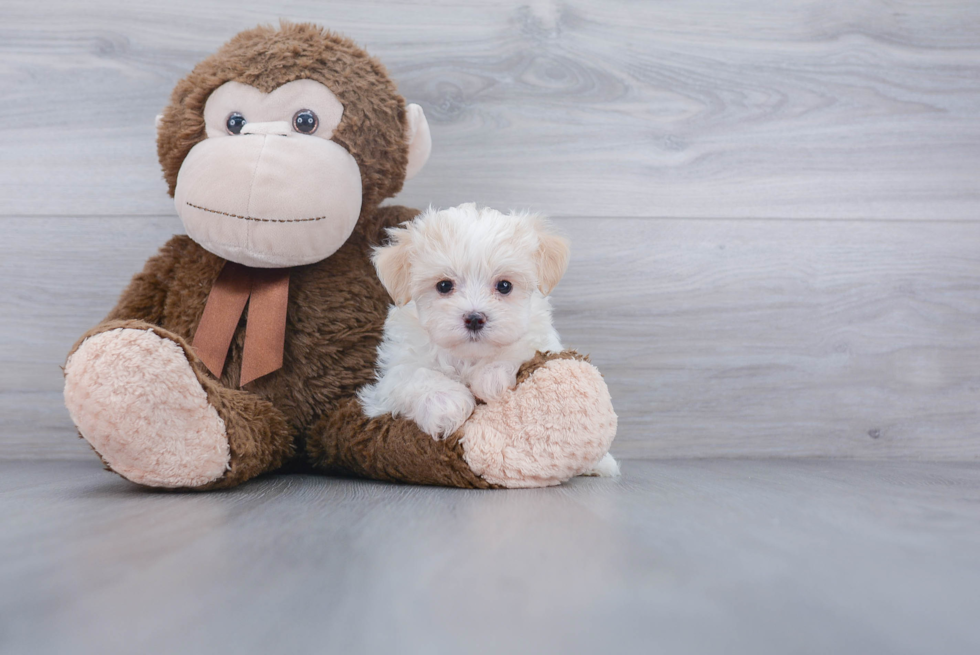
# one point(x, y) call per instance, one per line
point(782, 338)
point(774, 206)
point(774, 213)
point(707, 109)
point(706, 556)
point(722, 338)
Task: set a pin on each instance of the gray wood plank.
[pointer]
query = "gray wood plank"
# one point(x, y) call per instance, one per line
point(717, 338)
point(707, 556)
point(701, 109)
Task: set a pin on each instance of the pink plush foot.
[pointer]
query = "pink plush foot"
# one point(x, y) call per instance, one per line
point(134, 397)
point(557, 424)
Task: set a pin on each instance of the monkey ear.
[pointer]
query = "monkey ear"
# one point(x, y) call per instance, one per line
point(552, 256)
point(393, 265)
point(418, 138)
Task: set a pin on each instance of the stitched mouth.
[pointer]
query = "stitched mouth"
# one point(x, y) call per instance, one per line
point(258, 220)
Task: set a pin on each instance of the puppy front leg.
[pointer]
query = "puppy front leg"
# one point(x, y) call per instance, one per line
point(437, 404)
point(489, 382)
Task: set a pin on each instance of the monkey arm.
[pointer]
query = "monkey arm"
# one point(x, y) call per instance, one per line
point(142, 303)
point(145, 402)
point(558, 423)
point(146, 296)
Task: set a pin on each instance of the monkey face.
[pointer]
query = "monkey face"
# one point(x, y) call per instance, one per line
point(268, 187)
point(275, 146)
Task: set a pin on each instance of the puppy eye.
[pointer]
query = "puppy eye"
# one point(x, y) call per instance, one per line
point(235, 123)
point(305, 121)
point(504, 287)
point(444, 286)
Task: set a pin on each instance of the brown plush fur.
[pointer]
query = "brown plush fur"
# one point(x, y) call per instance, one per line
point(334, 323)
point(399, 451)
point(384, 449)
point(540, 359)
point(337, 307)
point(373, 125)
point(260, 437)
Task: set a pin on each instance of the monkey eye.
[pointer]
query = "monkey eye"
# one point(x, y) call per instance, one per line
point(504, 287)
point(444, 286)
point(235, 123)
point(305, 121)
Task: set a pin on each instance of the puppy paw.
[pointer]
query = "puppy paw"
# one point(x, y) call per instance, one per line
point(491, 381)
point(440, 412)
point(607, 467)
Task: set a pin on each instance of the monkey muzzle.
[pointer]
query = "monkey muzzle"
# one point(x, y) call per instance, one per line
point(269, 197)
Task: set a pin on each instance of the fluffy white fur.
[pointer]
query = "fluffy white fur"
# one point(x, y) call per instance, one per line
point(430, 365)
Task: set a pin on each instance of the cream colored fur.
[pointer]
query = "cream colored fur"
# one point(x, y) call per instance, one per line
point(270, 196)
point(135, 399)
point(260, 198)
point(419, 140)
point(431, 369)
point(504, 448)
point(430, 366)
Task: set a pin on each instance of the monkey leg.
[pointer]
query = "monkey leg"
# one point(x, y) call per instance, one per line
point(557, 424)
point(143, 401)
point(385, 448)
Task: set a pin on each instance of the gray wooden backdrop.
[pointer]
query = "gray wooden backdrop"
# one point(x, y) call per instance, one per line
point(773, 205)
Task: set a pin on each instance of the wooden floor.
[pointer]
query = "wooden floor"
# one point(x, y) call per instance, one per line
point(680, 556)
point(774, 209)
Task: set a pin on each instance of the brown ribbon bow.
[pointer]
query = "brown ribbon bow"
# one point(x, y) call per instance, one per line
point(266, 290)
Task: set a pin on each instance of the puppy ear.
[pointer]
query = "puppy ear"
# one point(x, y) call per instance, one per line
point(553, 253)
point(393, 266)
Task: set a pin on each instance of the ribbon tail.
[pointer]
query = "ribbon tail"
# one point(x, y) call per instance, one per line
point(223, 310)
point(265, 331)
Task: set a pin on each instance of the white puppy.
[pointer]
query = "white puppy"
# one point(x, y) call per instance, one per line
point(470, 289)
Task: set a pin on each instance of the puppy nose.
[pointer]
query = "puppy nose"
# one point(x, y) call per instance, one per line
point(475, 321)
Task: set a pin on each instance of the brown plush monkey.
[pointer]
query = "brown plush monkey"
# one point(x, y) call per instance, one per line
point(239, 347)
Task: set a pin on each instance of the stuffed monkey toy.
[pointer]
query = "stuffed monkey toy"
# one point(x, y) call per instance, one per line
point(240, 347)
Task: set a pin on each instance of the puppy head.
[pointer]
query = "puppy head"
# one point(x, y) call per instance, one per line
point(472, 273)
